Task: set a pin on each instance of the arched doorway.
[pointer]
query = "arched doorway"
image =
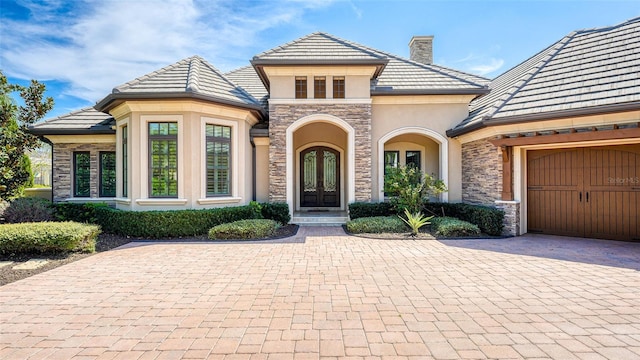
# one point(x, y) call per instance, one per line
point(320, 177)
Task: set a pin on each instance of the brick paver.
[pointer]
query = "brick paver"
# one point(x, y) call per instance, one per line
point(333, 296)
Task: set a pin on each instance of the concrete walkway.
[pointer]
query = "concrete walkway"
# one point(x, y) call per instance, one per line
point(333, 296)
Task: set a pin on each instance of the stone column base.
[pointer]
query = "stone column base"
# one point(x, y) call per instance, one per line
point(511, 217)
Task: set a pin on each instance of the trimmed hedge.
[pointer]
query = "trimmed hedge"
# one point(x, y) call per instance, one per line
point(448, 226)
point(171, 223)
point(78, 212)
point(276, 211)
point(488, 219)
point(377, 225)
point(244, 229)
point(363, 209)
point(48, 237)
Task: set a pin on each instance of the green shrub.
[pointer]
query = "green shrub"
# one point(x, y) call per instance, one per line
point(364, 209)
point(488, 219)
point(172, 223)
point(245, 229)
point(47, 237)
point(85, 213)
point(276, 211)
point(415, 221)
point(408, 188)
point(28, 210)
point(452, 227)
point(376, 225)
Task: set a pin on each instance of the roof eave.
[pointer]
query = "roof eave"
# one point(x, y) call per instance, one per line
point(90, 131)
point(477, 91)
point(552, 115)
point(333, 62)
point(112, 100)
point(259, 64)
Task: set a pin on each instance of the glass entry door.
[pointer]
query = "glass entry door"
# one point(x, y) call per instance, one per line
point(320, 177)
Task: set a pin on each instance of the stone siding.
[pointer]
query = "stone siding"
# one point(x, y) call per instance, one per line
point(281, 116)
point(481, 173)
point(511, 217)
point(63, 168)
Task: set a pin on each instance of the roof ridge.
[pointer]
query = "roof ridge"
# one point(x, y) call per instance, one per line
point(608, 28)
point(228, 81)
point(193, 75)
point(353, 45)
point(139, 79)
point(553, 51)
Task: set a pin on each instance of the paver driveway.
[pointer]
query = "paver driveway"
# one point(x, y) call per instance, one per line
point(333, 296)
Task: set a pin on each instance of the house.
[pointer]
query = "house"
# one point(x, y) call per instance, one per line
point(554, 141)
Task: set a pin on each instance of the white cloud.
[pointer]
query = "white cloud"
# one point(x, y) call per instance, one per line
point(488, 67)
point(96, 45)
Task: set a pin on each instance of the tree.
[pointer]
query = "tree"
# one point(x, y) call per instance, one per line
point(15, 139)
point(409, 188)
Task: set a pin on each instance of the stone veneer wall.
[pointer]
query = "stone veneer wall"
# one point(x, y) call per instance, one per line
point(481, 173)
point(511, 217)
point(63, 164)
point(281, 116)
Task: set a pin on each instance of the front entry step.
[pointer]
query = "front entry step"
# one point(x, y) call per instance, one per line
point(333, 218)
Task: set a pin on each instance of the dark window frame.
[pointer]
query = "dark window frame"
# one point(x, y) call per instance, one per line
point(319, 87)
point(150, 140)
point(301, 87)
point(406, 158)
point(101, 162)
point(212, 139)
point(76, 192)
point(338, 87)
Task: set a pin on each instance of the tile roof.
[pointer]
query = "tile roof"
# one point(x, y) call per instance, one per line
point(191, 77)
point(318, 47)
point(397, 76)
point(247, 78)
point(587, 71)
point(83, 121)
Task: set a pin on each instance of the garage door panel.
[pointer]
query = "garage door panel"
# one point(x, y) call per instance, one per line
point(593, 192)
point(542, 218)
point(613, 215)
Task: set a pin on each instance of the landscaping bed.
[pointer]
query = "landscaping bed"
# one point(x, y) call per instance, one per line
point(105, 242)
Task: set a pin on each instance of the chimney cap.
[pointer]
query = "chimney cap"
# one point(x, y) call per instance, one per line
point(420, 38)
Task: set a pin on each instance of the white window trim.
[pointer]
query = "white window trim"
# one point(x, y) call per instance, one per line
point(119, 169)
point(234, 197)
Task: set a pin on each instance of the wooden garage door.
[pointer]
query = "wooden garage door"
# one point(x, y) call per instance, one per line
point(590, 192)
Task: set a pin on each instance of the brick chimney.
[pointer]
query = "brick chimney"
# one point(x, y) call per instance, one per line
point(421, 48)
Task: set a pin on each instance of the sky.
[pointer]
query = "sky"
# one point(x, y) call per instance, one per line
point(81, 50)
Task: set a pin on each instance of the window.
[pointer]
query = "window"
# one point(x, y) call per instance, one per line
point(163, 159)
point(413, 159)
point(319, 87)
point(125, 166)
point(338, 87)
point(81, 174)
point(218, 160)
point(107, 174)
point(391, 161)
point(301, 87)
